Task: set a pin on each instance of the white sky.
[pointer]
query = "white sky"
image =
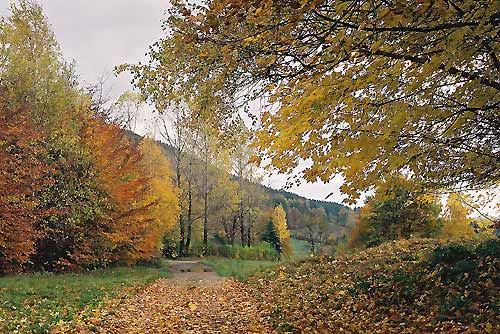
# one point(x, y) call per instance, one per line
point(100, 34)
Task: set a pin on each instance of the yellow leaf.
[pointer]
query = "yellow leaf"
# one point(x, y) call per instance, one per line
point(192, 306)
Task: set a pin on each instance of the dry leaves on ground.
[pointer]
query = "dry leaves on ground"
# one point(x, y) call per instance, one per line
point(219, 307)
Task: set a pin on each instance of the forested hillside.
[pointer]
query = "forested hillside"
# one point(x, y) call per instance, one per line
point(299, 207)
point(310, 220)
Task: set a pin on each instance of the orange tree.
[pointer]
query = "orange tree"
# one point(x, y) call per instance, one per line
point(23, 174)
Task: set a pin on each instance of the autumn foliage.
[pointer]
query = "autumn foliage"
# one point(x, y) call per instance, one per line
point(75, 192)
point(278, 218)
point(22, 175)
point(397, 210)
point(358, 88)
point(99, 204)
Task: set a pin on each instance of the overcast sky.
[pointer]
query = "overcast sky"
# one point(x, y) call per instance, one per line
point(100, 34)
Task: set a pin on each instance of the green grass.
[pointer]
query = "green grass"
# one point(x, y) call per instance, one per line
point(243, 269)
point(301, 249)
point(239, 269)
point(36, 303)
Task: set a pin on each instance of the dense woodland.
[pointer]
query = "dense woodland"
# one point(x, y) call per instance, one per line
point(80, 190)
point(319, 223)
point(400, 98)
point(75, 191)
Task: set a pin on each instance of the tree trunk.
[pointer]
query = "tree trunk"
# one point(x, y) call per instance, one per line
point(320, 243)
point(311, 242)
point(227, 231)
point(181, 235)
point(189, 219)
point(205, 207)
point(181, 216)
point(242, 225)
point(205, 223)
point(249, 234)
point(233, 230)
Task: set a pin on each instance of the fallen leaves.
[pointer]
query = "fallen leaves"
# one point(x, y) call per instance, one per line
point(417, 287)
point(216, 307)
point(394, 288)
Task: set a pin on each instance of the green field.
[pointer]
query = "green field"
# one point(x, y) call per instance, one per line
point(242, 269)
point(239, 269)
point(37, 303)
point(301, 249)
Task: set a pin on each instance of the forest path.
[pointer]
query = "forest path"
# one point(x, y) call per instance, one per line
point(195, 300)
point(191, 273)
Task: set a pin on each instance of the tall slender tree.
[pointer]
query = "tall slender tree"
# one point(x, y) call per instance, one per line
point(175, 132)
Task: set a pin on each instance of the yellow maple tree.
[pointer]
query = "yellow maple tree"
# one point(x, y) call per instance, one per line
point(457, 223)
point(163, 214)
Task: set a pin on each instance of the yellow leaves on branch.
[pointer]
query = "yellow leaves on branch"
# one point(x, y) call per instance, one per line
point(392, 81)
point(457, 223)
point(162, 216)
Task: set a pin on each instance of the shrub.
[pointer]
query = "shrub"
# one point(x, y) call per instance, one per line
point(154, 262)
point(170, 248)
point(489, 248)
point(449, 254)
point(456, 259)
point(258, 251)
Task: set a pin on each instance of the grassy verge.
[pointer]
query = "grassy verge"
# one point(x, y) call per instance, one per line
point(243, 269)
point(40, 302)
point(239, 269)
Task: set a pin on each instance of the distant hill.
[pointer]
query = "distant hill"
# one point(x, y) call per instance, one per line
point(332, 209)
point(339, 216)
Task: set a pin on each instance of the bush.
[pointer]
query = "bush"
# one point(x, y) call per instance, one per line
point(449, 254)
point(489, 248)
point(456, 261)
point(170, 248)
point(259, 251)
point(458, 255)
point(154, 262)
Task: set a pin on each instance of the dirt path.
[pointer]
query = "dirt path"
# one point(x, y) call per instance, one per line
point(195, 300)
point(191, 272)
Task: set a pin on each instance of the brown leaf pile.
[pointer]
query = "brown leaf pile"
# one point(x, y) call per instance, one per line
point(413, 287)
point(218, 307)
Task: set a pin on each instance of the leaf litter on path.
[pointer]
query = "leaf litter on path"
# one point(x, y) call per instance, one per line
point(193, 301)
point(225, 307)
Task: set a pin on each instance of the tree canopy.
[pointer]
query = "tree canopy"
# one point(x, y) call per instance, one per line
point(361, 88)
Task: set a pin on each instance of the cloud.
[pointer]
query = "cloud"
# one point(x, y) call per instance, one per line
point(99, 35)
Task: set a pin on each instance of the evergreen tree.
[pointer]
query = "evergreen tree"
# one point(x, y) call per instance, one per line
point(271, 236)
